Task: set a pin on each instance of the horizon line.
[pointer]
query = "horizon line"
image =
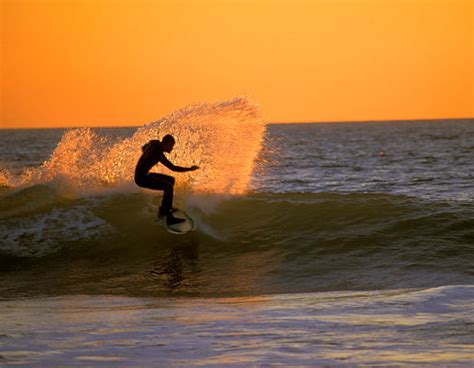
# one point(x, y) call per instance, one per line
point(268, 123)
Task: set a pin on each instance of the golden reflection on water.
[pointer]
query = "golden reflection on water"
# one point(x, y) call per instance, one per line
point(405, 356)
point(249, 270)
point(182, 270)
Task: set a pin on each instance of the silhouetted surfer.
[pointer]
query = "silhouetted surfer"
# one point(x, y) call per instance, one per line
point(153, 153)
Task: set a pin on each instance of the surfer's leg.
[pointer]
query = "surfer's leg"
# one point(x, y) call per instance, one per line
point(166, 184)
point(167, 201)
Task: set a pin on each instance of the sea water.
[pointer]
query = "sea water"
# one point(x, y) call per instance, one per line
point(341, 244)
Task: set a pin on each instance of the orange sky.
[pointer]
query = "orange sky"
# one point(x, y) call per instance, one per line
point(128, 62)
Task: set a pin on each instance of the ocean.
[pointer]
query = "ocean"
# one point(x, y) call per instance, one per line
point(343, 244)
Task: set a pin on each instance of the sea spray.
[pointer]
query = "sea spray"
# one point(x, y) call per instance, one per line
point(222, 138)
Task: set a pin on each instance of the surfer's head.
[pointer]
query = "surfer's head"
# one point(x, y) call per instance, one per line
point(167, 143)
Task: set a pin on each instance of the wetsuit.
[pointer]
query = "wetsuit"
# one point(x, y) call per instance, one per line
point(153, 154)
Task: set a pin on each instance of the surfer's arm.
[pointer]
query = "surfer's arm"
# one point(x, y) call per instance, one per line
point(174, 167)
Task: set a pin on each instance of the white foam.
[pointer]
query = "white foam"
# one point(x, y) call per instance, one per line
point(42, 234)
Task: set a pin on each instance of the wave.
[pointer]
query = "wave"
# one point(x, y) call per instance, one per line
point(36, 219)
point(254, 243)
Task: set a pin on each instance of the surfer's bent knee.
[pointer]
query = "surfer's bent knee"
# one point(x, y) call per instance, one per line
point(139, 181)
point(143, 182)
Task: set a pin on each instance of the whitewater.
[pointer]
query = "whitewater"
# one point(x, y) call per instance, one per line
point(317, 244)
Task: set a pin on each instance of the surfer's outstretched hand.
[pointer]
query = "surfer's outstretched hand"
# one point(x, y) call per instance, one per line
point(194, 167)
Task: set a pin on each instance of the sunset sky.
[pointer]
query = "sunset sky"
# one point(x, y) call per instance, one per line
point(128, 62)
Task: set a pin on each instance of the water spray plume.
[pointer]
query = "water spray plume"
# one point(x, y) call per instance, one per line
point(222, 138)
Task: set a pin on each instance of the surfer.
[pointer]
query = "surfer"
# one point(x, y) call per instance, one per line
point(153, 153)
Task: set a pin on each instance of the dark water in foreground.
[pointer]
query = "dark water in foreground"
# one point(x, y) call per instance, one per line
point(353, 247)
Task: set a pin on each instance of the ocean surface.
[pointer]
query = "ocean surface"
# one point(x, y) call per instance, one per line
point(347, 244)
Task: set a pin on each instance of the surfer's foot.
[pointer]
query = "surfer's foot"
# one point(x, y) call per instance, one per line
point(162, 213)
point(171, 220)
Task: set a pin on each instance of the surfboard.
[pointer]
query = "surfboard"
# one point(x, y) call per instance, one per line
point(181, 228)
